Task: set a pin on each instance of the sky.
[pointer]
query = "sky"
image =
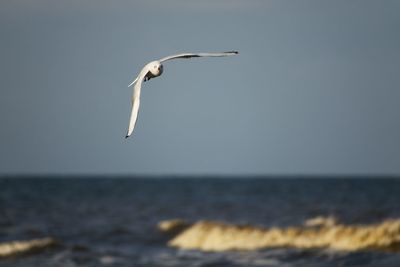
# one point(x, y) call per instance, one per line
point(314, 90)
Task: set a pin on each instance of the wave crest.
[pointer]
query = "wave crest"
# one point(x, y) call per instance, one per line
point(17, 247)
point(218, 236)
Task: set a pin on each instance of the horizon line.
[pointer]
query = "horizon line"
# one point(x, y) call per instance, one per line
point(199, 176)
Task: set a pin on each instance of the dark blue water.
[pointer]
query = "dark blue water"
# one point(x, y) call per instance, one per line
point(112, 222)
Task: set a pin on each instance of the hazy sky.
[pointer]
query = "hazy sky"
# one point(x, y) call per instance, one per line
point(315, 89)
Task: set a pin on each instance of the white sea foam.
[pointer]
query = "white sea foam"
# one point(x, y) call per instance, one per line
point(217, 236)
point(16, 247)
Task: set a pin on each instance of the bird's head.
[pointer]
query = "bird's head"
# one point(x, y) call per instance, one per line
point(155, 68)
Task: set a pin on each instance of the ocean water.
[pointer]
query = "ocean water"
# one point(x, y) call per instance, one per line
point(112, 221)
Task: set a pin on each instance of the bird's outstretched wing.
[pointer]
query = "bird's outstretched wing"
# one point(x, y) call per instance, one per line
point(190, 55)
point(136, 100)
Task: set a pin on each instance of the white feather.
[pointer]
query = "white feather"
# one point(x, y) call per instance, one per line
point(155, 69)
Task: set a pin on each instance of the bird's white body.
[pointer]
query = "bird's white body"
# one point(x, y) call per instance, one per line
point(155, 69)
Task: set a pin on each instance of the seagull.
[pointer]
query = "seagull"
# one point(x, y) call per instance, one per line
point(155, 69)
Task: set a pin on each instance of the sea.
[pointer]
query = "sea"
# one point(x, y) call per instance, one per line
point(112, 221)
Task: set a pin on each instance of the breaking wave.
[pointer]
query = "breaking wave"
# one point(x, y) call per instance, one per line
point(315, 233)
point(16, 247)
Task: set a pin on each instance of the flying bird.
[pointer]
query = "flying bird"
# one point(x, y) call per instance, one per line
point(155, 69)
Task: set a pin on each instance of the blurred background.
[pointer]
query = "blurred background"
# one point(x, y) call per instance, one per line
point(314, 90)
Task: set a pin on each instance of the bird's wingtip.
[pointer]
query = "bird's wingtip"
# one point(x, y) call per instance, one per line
point(132, 82)
point(127, 136)
point(232, 52)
